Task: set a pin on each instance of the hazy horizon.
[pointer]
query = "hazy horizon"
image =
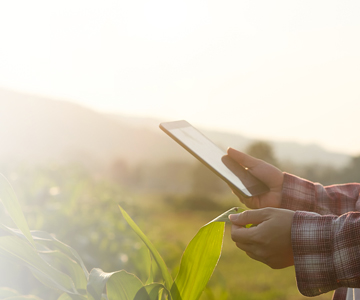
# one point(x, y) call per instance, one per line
point(283, 70)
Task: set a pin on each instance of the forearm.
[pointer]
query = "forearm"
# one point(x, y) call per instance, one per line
point(326, 251)
point(304, 195)
point(326, 247)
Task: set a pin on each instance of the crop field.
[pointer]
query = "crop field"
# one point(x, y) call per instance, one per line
point(105, 190)
point(237, 276)
point(82, 211)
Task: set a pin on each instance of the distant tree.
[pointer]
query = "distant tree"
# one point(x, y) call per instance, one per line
point(352, 172)
point(324, 174)
point(262, 150)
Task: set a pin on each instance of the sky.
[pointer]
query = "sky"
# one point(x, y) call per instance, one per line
point(272, 70)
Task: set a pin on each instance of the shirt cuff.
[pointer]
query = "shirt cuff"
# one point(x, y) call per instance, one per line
point(312, 243)
point(297, 193)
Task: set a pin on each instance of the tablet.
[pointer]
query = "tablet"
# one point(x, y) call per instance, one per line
point(239, 178)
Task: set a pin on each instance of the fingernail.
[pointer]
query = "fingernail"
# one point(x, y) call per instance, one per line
point(233, 217)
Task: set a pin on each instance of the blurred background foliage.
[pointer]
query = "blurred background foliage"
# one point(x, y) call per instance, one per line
point(170, 201)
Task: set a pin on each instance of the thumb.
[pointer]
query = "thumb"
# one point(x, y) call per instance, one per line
point(242, 158)
point(250, 217)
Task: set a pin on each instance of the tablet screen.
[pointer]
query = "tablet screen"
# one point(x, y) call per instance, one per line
point(206, 150)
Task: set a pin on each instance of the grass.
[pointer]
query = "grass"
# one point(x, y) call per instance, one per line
point(85, 216)
point(236, 273)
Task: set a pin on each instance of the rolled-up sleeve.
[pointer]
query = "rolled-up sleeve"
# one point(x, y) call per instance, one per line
point(301, 194)
point(325, 235)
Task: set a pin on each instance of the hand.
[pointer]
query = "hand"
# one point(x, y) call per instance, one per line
point(267, 173)
point(269, 241)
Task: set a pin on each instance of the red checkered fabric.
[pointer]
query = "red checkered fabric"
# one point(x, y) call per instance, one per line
point(325, 235)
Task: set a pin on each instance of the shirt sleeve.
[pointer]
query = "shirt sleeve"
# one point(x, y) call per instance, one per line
point(301, 194)
point(326, 251)
point(325, 234)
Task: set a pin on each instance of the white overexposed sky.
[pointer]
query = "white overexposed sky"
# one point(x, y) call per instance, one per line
point(286, 70)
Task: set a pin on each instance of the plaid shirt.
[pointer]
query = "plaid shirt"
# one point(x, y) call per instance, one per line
point(325, 235)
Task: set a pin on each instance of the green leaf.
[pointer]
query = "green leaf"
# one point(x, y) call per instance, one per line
point(66, 296)
point(67, 262)
point(49, 242)
point(150, 292)
point(96, 283)
point(47, 239)
point(198, 262)
point(200, 258)
point(225, 216)
point(123, 285)
point(120, 285)
point(150, 278)
point(69, 266)
point(19, 250)
point(163, 269)
point(12, 205)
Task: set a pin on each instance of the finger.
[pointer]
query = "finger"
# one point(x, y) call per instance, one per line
point(246, 247)
point(238, 194)
point(267, 173)
point(250, 217)
point(250, 202)
point(255, 257)
point(242, 235)
point(251, 251)
point(242, 158)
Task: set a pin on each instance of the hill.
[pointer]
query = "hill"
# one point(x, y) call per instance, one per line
point(39, 129)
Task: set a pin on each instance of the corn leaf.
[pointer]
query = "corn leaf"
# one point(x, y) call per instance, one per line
point(163, 269)
point(150, 292)
point(64, 297)
point(14, 248)
point(45, 241)
point(12, 206)
point(50, 241)
point(200, 258)
point(56, 258)
point(97, 282)
point(120, 285)
point(151, 272)
point(198, 262)
point(123, 286)
point(69, 266)
point(224, 217)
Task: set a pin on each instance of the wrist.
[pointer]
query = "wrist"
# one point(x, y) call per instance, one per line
point(297, 193)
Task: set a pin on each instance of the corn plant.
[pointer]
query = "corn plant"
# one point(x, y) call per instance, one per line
point(58, 266)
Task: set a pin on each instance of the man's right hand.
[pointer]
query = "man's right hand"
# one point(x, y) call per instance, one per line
point(267, 173)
